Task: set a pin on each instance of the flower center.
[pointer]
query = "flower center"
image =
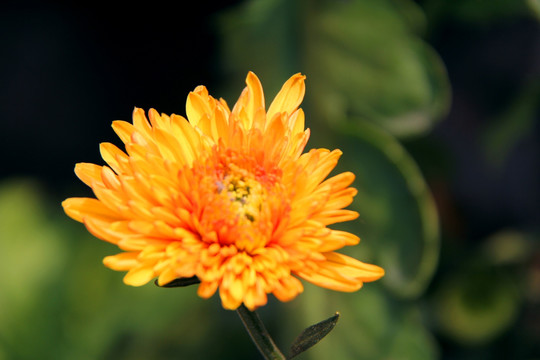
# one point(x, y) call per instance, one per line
point(245, 194)
point(243, 202)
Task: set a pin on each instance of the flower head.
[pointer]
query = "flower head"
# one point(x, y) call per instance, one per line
point(225, 195)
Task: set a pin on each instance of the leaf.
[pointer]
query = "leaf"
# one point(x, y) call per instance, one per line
point(366, 53)
point(476, 302)
point(180, 282)
point(312, 335)
point(512, 125)
point(478, 12)
point(371, 325)
point(534, 6)
point(361, 58)
point(398, 217)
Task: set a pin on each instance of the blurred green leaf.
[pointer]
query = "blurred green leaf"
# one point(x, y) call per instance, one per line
point(478, 11)
point(180, 282)
point(513, 124)
point(371, 325)
point(398, 217)
point(534, 5)
point(508, 247)
point(475, 303)
point(362, 58)
point(31, 258)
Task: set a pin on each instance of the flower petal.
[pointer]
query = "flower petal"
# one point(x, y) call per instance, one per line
point(122, 262)
point(351, 267)
point(289, 97)
point(139, 276)
point(79, 208)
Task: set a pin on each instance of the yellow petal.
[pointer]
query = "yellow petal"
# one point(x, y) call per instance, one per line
point(102, 229)
point(115, 157)
point(166, 276)
point(78, 208)
point(228, 301)
point(296, 122)
point(88, 173)
point(139, 276)
point(249, 103)
point(122, 262)
point(289, 97)
point(123, 129)
point(141, 123)
point(109, 178)
point(198, 105)
point(256, 96)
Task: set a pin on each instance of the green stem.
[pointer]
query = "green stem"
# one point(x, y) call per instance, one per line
point(259, 334)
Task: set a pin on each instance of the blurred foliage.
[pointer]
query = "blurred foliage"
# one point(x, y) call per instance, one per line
point(362, 58)
point(514, 123)
point(480, 11)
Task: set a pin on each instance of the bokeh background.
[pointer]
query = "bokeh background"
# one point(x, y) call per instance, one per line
point(435, 104)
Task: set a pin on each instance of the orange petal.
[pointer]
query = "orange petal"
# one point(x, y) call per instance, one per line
point(329, 217)
point(329, 282)
point(287, 288)
point(338, 239)
point(207, 289)
point(349, 266)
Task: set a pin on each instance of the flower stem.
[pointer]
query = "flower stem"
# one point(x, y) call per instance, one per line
point(259, 334)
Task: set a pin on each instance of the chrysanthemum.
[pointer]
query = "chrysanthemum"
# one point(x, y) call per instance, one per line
point(226, 196)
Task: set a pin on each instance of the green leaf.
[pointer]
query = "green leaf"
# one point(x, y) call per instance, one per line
point(180, 282)
point(398, 217)
point(371, 325)
point(484, 12)
point(361, 58)
point(476, 302)
point(534, 6)
point(312, 335)
point(365, 52)
point(513, 124)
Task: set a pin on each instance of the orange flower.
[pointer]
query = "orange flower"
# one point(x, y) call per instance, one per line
point(226, 196)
